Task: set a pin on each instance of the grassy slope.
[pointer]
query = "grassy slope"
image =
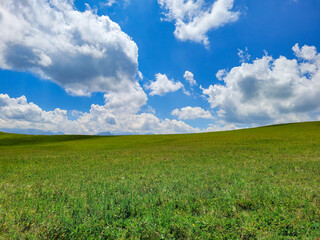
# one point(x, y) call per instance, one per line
point(254, 183)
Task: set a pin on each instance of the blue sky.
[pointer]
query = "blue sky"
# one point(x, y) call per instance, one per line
point(66, 70)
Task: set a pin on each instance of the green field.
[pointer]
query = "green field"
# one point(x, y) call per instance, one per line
point(261, 183)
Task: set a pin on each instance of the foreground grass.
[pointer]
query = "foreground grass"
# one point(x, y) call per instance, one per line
point(258, 183)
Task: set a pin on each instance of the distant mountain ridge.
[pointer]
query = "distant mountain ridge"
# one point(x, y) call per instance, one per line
point(32, 131)
point(29, 131)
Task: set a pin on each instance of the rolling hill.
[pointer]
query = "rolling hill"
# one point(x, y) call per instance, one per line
point(246, 184)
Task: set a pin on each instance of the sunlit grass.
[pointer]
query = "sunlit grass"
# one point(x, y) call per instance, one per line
point(255, 183)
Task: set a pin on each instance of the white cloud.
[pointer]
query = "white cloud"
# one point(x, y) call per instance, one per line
point(149, 109)
point(163, 85)
point(18, 110)
point(83, 53)
point(193, 19)
point(222, 127)
point(306, 52)
point(140, 75)
point(189, 77)
point(109, 3)
point(221, 74)
point(191, 113)
point(128, 102)
point(270, 90)
point(80, 51)
point(244, 55)
point(17, 113)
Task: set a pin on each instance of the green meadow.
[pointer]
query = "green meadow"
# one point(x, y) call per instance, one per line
point(261, 183)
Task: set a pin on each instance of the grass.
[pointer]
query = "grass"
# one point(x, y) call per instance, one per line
point(261, 183)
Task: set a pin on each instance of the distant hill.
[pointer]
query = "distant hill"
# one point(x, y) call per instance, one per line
point(29, 131)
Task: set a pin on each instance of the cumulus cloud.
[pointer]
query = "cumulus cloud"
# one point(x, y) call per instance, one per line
point(191, 113)
point(193, 19)
point(83, 53)
point(18, 110)
point(80, 51)
point(163, 85)
point(306, 52)
point(270, 90)
point(18, 113)
point(221, 74)
point(128, 102)
point(189, 77)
